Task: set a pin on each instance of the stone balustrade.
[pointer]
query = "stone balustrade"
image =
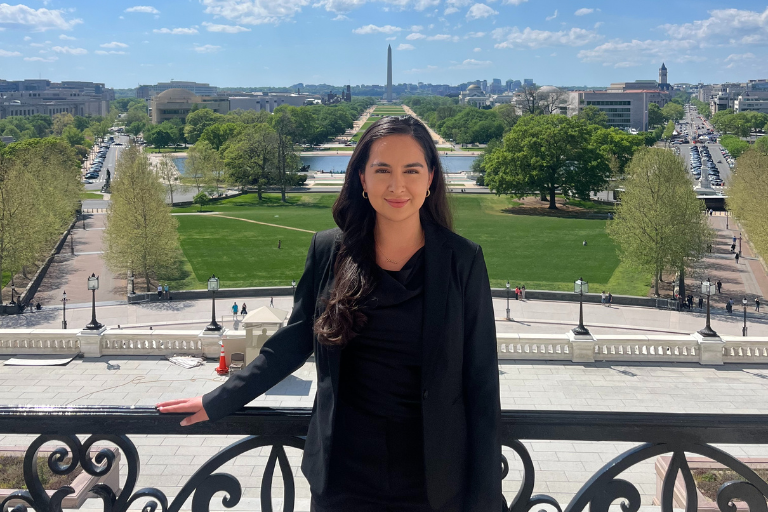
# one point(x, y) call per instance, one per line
point(511, 346)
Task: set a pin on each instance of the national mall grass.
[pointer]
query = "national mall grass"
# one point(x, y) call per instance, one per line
point(538, 252)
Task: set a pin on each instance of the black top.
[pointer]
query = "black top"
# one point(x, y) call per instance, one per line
point(380, 370)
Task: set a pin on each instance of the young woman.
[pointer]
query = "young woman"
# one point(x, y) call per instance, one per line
point(397, 310)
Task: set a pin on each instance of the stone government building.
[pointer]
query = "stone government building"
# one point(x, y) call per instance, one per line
point(30, 97)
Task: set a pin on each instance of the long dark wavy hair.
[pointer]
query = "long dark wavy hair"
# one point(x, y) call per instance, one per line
point(344, 315)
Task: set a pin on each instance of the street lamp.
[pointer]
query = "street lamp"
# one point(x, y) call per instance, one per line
point(744, 329)
point(213, 287)
point(739, 243)
point(507, 300)
point(13, 301)
point(581, 287)
point(64, 300)
point(707, 288)
point(93, 285)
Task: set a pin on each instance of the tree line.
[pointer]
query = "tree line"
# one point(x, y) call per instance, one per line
point(747, 191)
point(39, 194)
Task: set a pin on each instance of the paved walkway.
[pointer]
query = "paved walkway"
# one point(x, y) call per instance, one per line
point(562, 467)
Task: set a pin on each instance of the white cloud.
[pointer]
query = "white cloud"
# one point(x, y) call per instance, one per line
point(391, 38)
point(427, 69)
point(227, 29)
point(340, 17)
point(6, 53)
point(478, 11)
point(584, 11)
point(477, 50)
point(550, 18)
point(110, 52)
point(114, 44)
point(724, 27)
point(176, 31)
point(143, 8)
point(406, 46)
point(373, 29)
point(257, 12)
point(443, 37)
point(70, 51)
point(416, 28)
point(41, 59)
point(65, 37)
point(415, 36)
point(207, 48)
point(529, 38)
point(742, 56)
point(39, 20)
point(472, 64)
point(474, 34)
point(515, 2)
point(27, 38)
point(450, 10)
point(619, 53)
point(36, 45)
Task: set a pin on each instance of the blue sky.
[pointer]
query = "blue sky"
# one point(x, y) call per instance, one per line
point(282, 42)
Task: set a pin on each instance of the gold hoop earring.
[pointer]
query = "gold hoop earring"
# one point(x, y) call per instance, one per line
point(428, 192)
point(365, 196)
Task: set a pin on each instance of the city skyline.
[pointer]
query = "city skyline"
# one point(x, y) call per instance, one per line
point(252, 43)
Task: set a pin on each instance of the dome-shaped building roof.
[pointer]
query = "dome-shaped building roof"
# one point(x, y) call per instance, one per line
point(473, 87)
point(548, 89)
point(172, 95)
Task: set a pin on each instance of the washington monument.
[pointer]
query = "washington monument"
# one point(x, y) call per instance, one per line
point(389, 72)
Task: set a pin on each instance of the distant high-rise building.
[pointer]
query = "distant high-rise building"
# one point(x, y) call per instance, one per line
point(484, 86)
point(149, 91)
point(389, 72)
point(663, 85)
point(528, 82)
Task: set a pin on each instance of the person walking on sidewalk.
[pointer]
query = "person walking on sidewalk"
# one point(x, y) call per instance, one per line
point(271, 302)
point(701, 302)
point(737, 258)
point(243, 310)
point(719, 286)
point(234, 311)
point(165, 290)
point(757, 304)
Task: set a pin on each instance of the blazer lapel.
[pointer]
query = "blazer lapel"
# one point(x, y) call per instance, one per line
point(437, 266)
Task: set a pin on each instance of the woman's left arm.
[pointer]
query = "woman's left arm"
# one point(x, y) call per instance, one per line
point(481, 392)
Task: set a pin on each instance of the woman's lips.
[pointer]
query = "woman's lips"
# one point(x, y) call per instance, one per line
point(397, 203)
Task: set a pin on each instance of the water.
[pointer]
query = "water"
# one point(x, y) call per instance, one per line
point(338, 164)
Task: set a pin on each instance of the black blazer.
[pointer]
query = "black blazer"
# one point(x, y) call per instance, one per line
point(460, 380)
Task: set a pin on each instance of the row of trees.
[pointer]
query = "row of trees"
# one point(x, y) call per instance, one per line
point(741, 124)
point(747, 191)
point(544, 154)
point(462, 123)
point(660, 225)
point(76, 130)
point(39, 193)
point(141, 237)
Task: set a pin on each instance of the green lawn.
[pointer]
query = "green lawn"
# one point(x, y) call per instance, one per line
point(539, 252)
point(179, 149)
point(91, 195)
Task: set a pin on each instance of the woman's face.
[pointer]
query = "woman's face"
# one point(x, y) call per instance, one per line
point(396, 177)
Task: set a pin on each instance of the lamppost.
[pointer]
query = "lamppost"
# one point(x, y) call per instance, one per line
point(13, 301)
point(507, 300)
point(64, 300)
point(739, 243)
point(744, 329)
point(131, 280)
point(581, 287)
point(213, 287)
point(71, 242)
point(93, 285)
point(707, 288)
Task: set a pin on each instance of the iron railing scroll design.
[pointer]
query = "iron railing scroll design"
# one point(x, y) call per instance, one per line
point(657, 434)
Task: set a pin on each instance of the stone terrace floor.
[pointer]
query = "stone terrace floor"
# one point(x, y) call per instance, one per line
point(561, 467)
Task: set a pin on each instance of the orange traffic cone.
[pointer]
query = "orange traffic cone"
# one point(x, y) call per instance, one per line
point(222, 368)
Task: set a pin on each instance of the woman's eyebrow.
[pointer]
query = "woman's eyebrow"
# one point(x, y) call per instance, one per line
point(384, 164)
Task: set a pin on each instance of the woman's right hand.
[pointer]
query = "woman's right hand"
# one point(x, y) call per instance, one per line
point(190, 405)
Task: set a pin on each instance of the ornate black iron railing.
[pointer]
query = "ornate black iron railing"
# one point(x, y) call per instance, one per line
point(657, 434)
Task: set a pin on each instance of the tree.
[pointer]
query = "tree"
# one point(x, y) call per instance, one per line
point(734, 145)
point(197, 166)
point(73, 136)
point(198, 121)
point(761, 144)
point(617, 146)
point(673, 111)
point(747, 191)
point(61, 121)
point(655, 115)
point(218, 134)
point(669, 131)
point(287, 161)
point(160, 136)
point(251, 156)
point(140, 235)
point(169, 174)
point(478, 164)
point(659, 224)
point(545, 153)
point(201, 199)
point(593, 115)
point(507, 113)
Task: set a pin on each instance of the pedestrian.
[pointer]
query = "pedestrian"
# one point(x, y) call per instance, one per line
point(271, 302)
point(719, 285)
point(522, 290)
point(279, 243)
point(689, 300)
point(734, 240)
point(243, 310)
point(584, 243)
point(737, 258)
point(517, 293)
point(159, 291)
point(733, 248)
point(757, 304)
point(234, 311)
point(167, 293)
point(701, 302)
point(729, 306)
point(610, 299)
point(603, 297)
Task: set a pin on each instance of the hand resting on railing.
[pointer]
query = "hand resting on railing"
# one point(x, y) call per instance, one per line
point(191, 405)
